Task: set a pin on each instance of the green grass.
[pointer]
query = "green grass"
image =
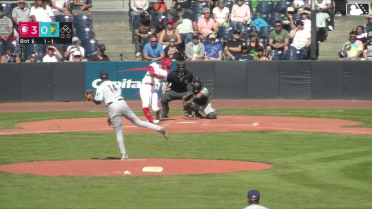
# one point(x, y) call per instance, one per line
point(311, 170)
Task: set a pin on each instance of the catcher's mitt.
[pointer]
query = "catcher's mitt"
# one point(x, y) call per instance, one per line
point(187, 99)
point(89, 95)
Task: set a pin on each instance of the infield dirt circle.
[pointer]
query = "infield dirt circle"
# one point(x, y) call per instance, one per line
point(174, 124)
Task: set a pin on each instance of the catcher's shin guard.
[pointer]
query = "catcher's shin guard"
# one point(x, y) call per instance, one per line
point(147, 114)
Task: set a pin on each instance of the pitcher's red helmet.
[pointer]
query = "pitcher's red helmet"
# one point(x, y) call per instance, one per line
point(167, 62)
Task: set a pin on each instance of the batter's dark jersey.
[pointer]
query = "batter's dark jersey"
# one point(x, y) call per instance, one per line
point(179, 83)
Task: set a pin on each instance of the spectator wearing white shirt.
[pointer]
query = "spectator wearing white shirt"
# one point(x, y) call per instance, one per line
point(74, 47)
point(53, 55)
point(61, 7)
point(221, 14)
point(20, 13)
point(301, 39)
point(42, 12)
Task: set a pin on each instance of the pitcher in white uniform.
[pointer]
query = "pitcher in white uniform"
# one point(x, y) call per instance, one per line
point(150, 88)
point(109, 93)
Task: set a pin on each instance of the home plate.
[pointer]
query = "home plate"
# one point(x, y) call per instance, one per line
point(187, 122)
point(156, 169)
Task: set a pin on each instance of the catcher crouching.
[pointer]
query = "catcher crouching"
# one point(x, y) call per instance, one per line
point(196, 103)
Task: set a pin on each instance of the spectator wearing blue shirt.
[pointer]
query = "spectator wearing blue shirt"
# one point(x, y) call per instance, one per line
point(153, 51)
point(213, 49)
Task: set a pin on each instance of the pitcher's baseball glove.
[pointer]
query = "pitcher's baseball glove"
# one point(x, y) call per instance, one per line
point(89, 95)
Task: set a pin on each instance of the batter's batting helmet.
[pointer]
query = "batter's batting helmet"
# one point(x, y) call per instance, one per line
point(167, 62)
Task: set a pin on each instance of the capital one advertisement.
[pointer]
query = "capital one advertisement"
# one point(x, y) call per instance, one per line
point(128, 74)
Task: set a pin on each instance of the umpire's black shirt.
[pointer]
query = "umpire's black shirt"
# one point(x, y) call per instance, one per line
point(179, 83)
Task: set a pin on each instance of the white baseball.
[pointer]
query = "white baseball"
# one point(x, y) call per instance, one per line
point(127, 173)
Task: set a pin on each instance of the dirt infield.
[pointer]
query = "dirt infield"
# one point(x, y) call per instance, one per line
point(174, 124)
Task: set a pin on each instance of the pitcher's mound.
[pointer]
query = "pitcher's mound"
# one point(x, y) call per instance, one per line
point(132, 167)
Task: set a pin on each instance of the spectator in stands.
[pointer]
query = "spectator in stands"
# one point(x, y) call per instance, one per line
point(77, 57)
point(169, 33)
point(184, 26)
point(138, 7)
point(213, 49)
point(53, 55)
point(278, 38)
point(233, 46)
point(244, 56)
point(61, 7)
point(206, 24)
point(42, 12)
point(326, 6)
point(367, 53)
point(76, 46)
point(288, 22)
point(254, 44)
point(32, 58)
point(100, 55)
point(6, 32)
point(194, 50)
point(160, 7)
point(353, 48)
point(153, 51)
point(301, 39)
point(173, 10)
point(300, 4)
point(174, 51)
point(305, 17)
point(261, 56)
point(186, 6)
point(361, 34)
point(240, 14)
point(20, 14)
point(221, 14)
point(81, 7)
point(159, 28)
point(11, 57)
point(142, 35)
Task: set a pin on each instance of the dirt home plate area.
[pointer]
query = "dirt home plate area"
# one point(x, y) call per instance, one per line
point(157, 166)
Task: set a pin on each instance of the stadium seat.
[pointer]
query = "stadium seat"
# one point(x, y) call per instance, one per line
point(86, 35)
point(197, 7)
point(296, 16)
point(90, 47)
point(246, 31)
point(82, 21)
point(276, 16)
point(229, 4)
point(7, 9)
point(265, 6)
point(63, 18)
point(281, 6)
point(265, 31)
point(225, 33)
point(264, 16)
point(294, 54)
point(277, 54)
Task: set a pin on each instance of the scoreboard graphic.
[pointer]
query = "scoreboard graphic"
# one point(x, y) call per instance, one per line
point(45, 33)
point(356, 9)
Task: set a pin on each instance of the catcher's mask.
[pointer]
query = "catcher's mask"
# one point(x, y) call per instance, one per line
point(167, 62)
point(196, 85)
point(180, 68)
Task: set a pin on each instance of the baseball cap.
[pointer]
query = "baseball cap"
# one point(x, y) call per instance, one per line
point(253, 194)
point(236, 31)
point(195, 37)
point(102, 47)
point(244, 46)
point(103, 74)
point(221, 1)
point(299, 22)
point(254, 34)
point(290, 9)
point(160, 21)
point(75, 39)
point(170, 21)
point(212, 36)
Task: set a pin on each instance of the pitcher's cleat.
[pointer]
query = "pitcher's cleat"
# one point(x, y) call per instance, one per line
point(164, 133)
point(124, 157)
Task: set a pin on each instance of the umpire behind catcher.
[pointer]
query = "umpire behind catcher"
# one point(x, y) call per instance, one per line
point(176, 87)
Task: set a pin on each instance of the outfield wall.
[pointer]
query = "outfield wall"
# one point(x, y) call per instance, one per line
point(27, 82)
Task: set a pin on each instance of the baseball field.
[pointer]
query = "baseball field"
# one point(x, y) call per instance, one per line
point(299, 154)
